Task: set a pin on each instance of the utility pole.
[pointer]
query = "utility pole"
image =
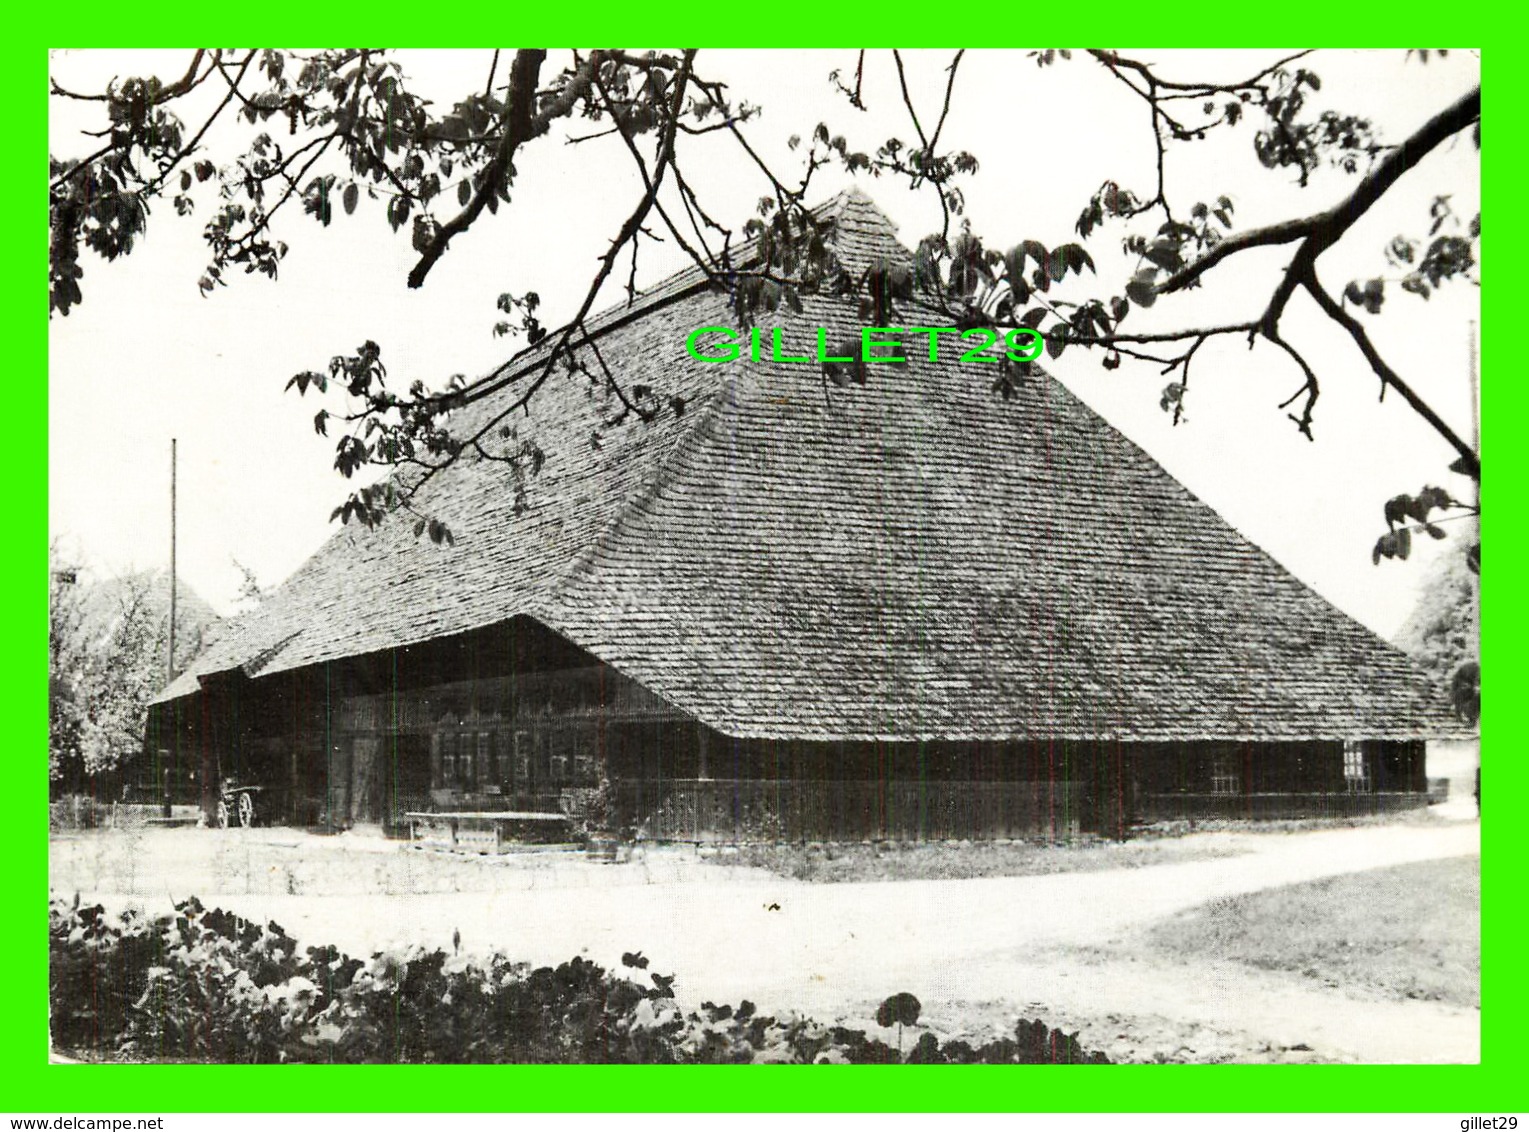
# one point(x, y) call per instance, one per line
point(164, 773)
point(170, 662)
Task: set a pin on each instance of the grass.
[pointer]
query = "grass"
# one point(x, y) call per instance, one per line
point(895, 861)
point(1409, 931)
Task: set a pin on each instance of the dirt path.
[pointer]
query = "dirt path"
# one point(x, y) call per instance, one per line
point(1063, 947)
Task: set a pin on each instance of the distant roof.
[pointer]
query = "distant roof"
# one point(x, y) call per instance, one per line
point(914, 558)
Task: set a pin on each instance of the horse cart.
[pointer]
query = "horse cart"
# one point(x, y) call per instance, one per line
point(238, 804)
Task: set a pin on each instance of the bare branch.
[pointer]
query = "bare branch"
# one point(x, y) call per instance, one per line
point(1469, 460)
point(1163, 336)
point(1193, 90)
point(902, 81)
point(950, 85)
point(1310, 388)
point(493, 67)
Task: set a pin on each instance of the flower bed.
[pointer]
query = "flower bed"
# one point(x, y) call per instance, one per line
point(206, 985)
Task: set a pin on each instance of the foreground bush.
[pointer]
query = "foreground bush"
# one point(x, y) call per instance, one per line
point(209, 986)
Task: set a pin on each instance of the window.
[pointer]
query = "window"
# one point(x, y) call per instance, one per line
point(1356, 773)
point(584, 767)
point(523, 741)
point(485, 764)
point(466, 771)
point(1224, 778)
point(506, 770)
point(448, 761)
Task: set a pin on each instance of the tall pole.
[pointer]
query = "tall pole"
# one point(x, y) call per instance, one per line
point(170, 663)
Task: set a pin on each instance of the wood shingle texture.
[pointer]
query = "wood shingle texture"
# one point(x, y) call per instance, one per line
point(912, 558)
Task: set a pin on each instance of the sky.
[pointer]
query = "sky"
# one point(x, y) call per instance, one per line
point(146, 358)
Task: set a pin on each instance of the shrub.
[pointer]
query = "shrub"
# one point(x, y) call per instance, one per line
point(206, 985)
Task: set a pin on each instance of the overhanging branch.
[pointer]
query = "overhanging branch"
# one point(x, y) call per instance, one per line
point(1323, 229)
point(1469, 460)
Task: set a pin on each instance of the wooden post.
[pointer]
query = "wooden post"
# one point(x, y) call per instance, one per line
point(208, 771)
point(170, 660)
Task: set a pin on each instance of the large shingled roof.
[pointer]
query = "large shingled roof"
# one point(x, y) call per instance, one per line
point(914, 558)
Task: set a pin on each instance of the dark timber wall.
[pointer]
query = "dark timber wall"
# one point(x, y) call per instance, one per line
point(516, 718)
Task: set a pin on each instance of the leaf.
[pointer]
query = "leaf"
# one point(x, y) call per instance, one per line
point(1142, 292)
point(1119, 308)
point(900, 1010)
point(1078, 259)
point(398, 212)
point(1396, 544)
point(351, 195)
point(464, 192)
point(1165, 254)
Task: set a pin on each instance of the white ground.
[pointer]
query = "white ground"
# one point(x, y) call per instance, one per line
point(978, 953)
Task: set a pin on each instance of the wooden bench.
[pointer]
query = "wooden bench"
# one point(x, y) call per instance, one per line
point(487, 831)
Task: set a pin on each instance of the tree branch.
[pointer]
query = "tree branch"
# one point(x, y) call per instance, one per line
point(521, 123)
point(607, 262)
point(950, 85)
point(190, 146)
point(1310, 388)
point(1468, 457)
point(1194, 90)
point(902, 81)
point(1323, 229)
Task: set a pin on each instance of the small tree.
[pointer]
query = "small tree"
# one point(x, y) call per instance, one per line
point(1443, 633)
point(107, 645)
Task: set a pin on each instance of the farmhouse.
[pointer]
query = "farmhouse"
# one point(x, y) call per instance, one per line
point(784, 608)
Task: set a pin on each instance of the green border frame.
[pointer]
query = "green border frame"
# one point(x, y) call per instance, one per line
point(30, 1084)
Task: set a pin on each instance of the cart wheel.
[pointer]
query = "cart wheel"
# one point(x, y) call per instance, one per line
point(222, 813)
point(246, 810)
